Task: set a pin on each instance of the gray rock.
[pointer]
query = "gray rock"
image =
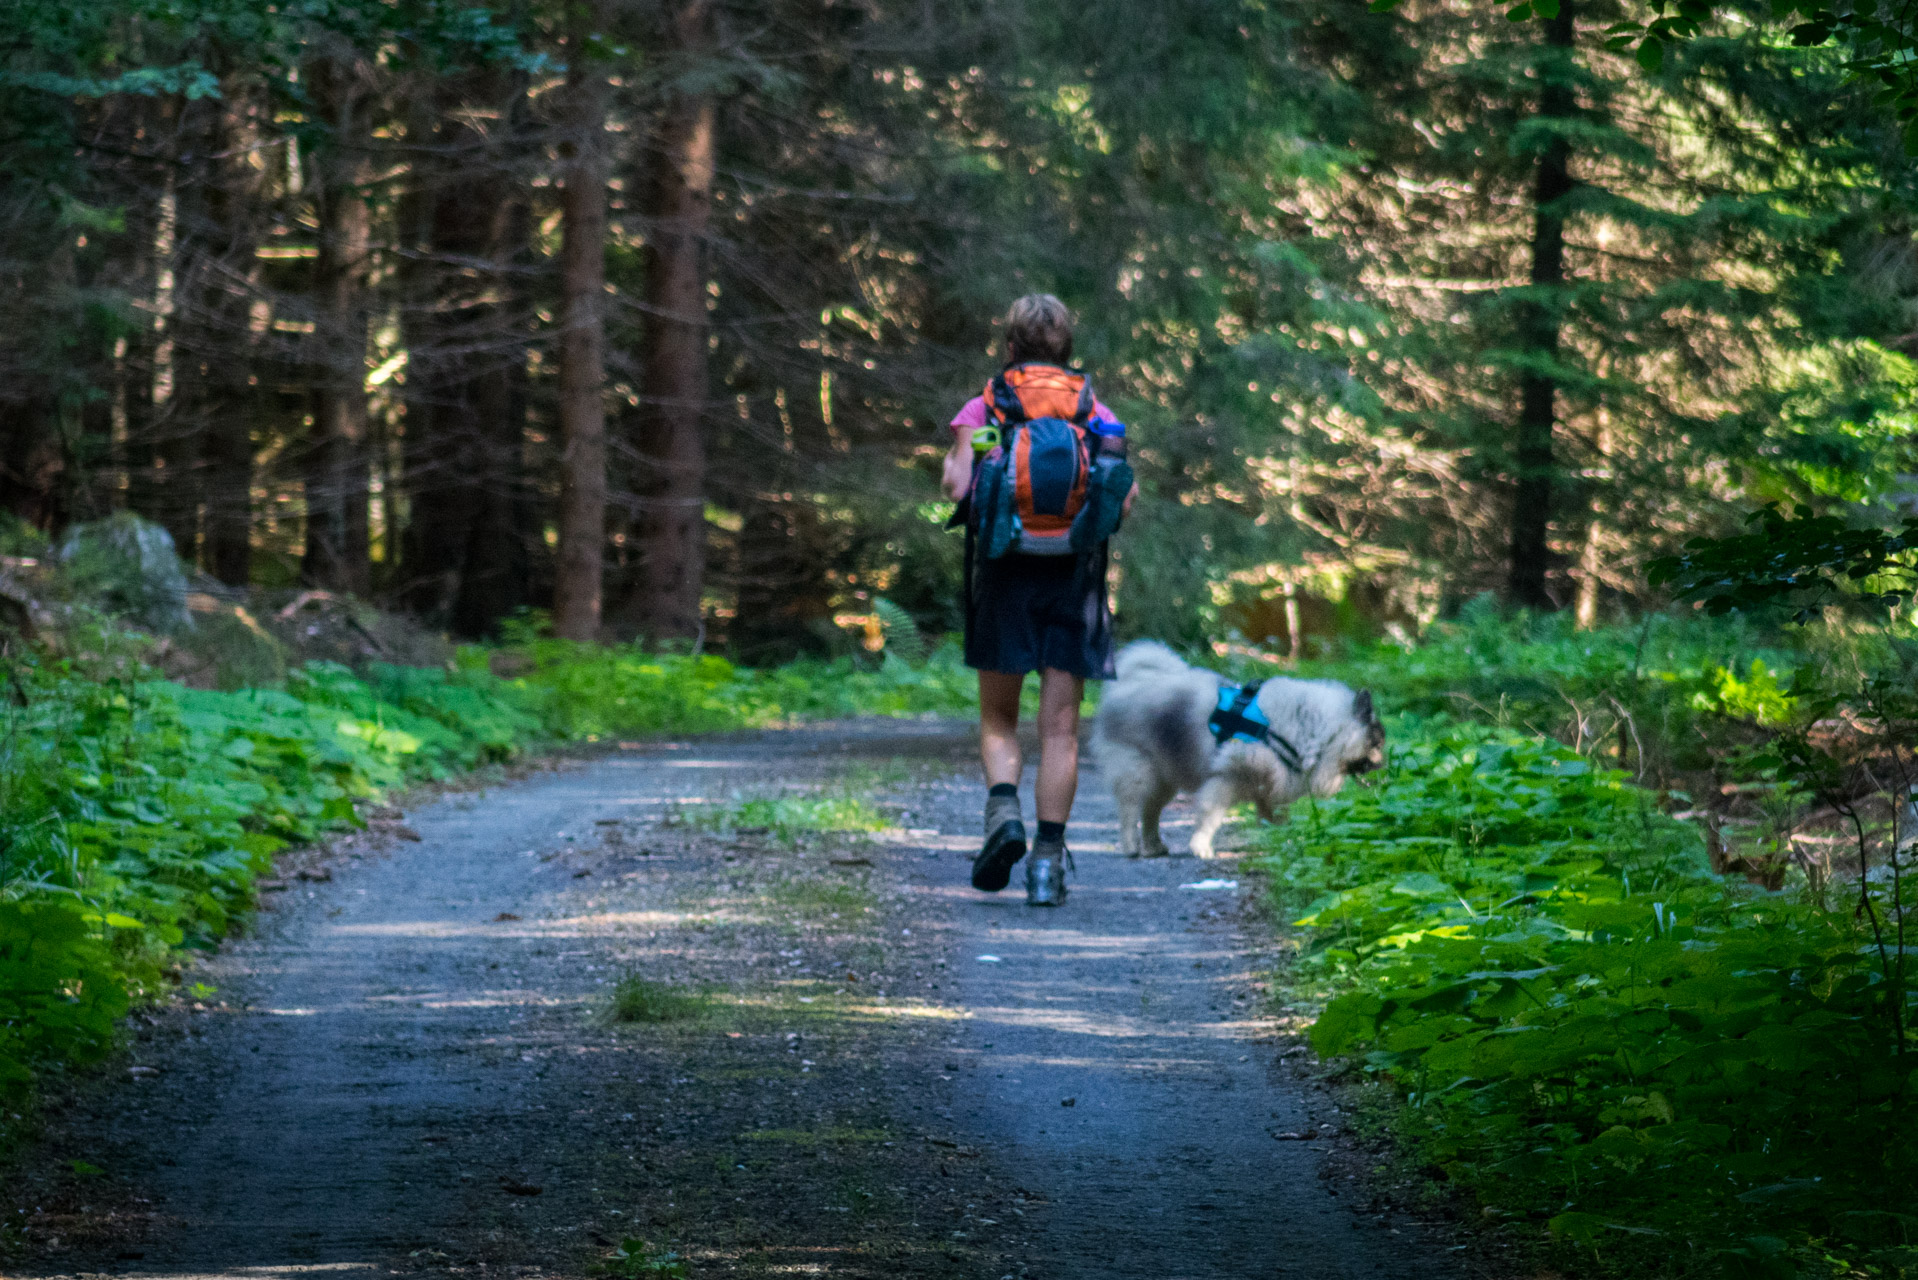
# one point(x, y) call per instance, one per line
point(128, 566)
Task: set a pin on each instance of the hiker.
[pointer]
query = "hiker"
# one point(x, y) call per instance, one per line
point(1038, 469)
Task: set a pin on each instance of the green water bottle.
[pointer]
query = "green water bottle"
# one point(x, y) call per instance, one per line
point(985, 439)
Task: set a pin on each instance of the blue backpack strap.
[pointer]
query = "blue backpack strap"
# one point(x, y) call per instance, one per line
point(1005, 402)
point(1238, 717)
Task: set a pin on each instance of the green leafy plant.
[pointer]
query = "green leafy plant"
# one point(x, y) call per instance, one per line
point(637, 1259)
point(903, 639)
point(1681, 1070)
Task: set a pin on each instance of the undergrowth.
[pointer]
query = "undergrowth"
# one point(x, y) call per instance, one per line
point(588, 692)
point(136, 813)
point(1671, 1070)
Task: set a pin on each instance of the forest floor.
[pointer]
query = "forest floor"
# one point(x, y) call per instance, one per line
point(866, 1068)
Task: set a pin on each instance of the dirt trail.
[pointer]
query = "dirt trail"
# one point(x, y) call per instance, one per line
point(408, 1068)
point(1120, 1059)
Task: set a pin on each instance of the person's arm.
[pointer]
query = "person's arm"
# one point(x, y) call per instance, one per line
point(957, 477)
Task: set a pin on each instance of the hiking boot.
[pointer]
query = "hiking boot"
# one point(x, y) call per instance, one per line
point(1046, 876)
point(1005, 844)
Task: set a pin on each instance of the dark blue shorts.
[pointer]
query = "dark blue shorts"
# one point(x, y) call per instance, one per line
point(1028, 613)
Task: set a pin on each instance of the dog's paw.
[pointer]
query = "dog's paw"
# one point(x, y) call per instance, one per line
point(1154, 850)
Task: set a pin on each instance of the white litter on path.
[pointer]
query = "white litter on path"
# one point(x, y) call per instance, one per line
point(1211, 884)
point(988, 959)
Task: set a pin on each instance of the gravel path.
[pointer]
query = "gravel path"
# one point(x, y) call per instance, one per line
point(1119, 1057)
point(408, 1068)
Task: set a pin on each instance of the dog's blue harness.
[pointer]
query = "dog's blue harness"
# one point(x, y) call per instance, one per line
point(1238, 719)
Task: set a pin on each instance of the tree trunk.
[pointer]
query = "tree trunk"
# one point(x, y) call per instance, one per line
point(582, 367)
point(204, 459)
point(1539, 321)
point(337, 552)
point(239, 179)
point(462, 561)
point(493, 579)
point(1585, 613)
point(671, 447)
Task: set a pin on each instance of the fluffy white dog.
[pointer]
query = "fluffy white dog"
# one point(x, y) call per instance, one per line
point(1158, 729)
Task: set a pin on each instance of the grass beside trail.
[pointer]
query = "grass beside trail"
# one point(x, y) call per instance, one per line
point(1649, 1068)
point(136, 813)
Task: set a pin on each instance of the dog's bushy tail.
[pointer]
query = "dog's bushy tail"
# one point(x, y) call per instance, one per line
point(1144, 658)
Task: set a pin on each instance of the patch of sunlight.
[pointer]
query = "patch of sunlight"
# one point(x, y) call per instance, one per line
point(944, 1013)
point(618, 920)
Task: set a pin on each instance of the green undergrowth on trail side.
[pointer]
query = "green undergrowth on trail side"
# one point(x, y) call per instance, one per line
point(588, 692)
point(136, 813)
point(1661, 1069)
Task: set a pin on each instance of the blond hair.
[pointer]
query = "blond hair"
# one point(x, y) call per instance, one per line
point(1038, 327)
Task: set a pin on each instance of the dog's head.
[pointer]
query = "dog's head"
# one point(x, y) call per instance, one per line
point(1372, 742)
point(1355, 747)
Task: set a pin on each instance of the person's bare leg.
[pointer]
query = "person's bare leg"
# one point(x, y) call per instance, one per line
point(1005, 829)
point(999, 726)
point(1059, 696)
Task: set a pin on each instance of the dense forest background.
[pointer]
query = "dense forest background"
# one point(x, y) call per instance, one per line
point(649, 312)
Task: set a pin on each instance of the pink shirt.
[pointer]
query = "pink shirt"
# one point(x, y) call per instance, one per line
point(1104, 421)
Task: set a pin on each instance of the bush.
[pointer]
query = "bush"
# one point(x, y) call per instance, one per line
point(1680, 1072)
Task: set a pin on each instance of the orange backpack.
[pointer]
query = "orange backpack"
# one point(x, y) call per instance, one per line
point(1037, 472)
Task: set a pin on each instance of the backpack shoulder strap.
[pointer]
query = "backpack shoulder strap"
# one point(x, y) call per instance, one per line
point(1083, 414)
point(1003, 401)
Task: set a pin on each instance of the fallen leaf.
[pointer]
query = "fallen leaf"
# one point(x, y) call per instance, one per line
point(407, 833)
point(519, 1188)
point(504, 915)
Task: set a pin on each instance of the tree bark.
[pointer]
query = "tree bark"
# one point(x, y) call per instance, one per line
point(1539, 321)
point(240, 178)
point(462, 562)
point(582, 364)
point(337, 553)
point(670, 443)
point(1585, 609)
point(205, 472)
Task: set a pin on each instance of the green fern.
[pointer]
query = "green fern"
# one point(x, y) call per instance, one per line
point(903, 638)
